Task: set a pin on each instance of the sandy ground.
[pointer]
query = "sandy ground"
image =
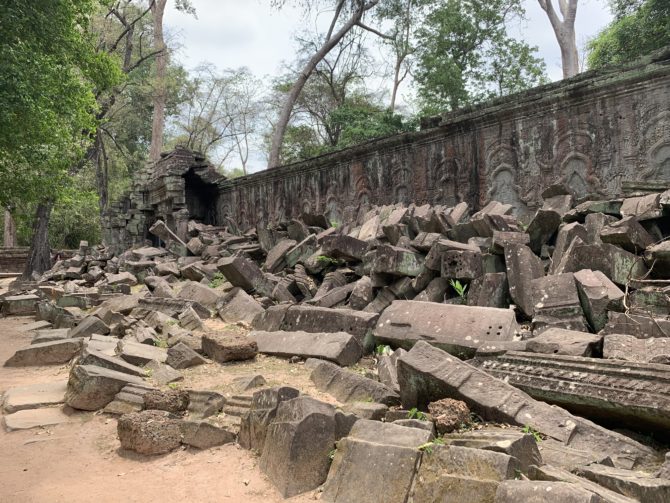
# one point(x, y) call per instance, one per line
point(82, 461)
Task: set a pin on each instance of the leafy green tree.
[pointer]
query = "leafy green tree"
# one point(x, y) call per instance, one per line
point(465, 55)
point(49, 73)
point(639, 27)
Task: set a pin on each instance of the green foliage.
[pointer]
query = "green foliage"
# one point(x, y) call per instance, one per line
point(331, 454)
point(174, 385)
point(415, 413)
point(217, 280)
point(458, 287)
point(161, 343)
point(383, 349)
point(324, 260)
point(532, 431)
point(639, 27)
point(428, 446)
point(465, 55)
point(49, 71)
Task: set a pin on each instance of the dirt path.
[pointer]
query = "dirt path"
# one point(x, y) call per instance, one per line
point(81, 461)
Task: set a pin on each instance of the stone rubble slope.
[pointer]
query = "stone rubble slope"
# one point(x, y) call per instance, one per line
point(538, 345)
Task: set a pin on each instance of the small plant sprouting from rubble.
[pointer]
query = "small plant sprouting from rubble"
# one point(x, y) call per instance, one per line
point(161, 343)
point(217, 280)
point(331, 454)
point(459, 288)
point(415, 413)
point(383, 349)
point(532, 431)
point(324, 260)
point(428, 446)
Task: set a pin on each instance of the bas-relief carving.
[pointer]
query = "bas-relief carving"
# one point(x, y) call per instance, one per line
point(574, 156)
point(654, 147)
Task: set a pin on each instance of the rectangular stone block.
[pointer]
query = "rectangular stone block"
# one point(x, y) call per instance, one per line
point(523, 266)
point(339, 347)
point(246, 274)
point(598, 295)
point(456, 329)
point(46, 353)
point(397, 261)
point(630, 348)
point(14, 305)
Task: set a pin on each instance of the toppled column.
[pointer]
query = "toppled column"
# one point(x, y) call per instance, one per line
point(171, 240)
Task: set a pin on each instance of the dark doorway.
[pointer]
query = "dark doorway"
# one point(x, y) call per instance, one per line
point(200, 198)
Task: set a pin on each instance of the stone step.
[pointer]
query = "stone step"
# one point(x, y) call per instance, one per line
point(635, 394)
point(36, 418)
point(34, 396)
point(129, 399)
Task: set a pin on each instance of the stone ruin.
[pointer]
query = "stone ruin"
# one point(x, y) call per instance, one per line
point(471, 352)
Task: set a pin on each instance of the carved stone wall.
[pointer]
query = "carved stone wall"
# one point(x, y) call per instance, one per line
point(593, 132)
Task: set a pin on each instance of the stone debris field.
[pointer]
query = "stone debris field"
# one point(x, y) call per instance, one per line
point(414, 354)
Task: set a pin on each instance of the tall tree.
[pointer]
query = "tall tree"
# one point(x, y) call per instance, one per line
point(466, 56)
point(347, 14)
point(160, 93)
point(564, 29)
point(48, 72)
point(639, 27)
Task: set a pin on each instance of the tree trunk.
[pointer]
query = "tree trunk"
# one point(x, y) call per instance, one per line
point(564, 29)
point(285, 115)
point(569, 55)
point(160, 93)
point(10, 230)
point(39, 258)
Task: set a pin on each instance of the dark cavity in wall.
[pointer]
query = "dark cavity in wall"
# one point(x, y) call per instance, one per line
point(200, 198)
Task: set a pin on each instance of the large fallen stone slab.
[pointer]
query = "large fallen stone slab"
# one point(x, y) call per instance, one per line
point(427, 373)
point(375, 463)
point(34, 396)
point(616, 263)
point(455, 328)
point(512, 442)
point(344, 247)
point(19, 305)
point(172, 307)
point(532, 491)
point(566, 342)
point(598, 296)
point(397, 261)
point(523, 266)
point(299, 439)
point(199, 293)
point(316, 319)
point(238, 305)
point(557, 303)
point(339, 347)
point(140, 354)
point(149, 432)
point(462, 474)
point(36, 418)
point(92, 356)
point(637, 394)
point(50, 335)
point(246, 274)
point(262, 412)
point(637, 325)
point(551, 473)
point(630, 348)
point(348, 386)
point(633, 484)
point(204, 434)
point(46, 353)
point(91, 387)
point(89, 326)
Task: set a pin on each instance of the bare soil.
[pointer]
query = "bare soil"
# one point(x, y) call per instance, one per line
point(82, 461)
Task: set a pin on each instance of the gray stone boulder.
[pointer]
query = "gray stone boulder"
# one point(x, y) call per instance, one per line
point(566, 342)
point(225, 347)
point(92, 356)
point(262, 412)
point(149, 432)
point(462, 474)
point(532, 491)
point(339, 347)
point(91, 387)
point(46, 353)
point(298, 441)
point(180, 356)
point(202, 294)
point(136, 353)
point(375, 463)
point(89, 326)
point(348, 386)
point(238, 305)
point(203, 434)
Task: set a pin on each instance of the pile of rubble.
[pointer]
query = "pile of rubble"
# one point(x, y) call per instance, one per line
point(511, 359)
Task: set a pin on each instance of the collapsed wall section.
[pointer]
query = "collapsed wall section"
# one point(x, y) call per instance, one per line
point(599, 133)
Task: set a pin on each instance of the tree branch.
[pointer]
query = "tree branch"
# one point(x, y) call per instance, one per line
point(376, 32)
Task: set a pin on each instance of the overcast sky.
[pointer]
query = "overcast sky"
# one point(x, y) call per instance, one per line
point(234, 33)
